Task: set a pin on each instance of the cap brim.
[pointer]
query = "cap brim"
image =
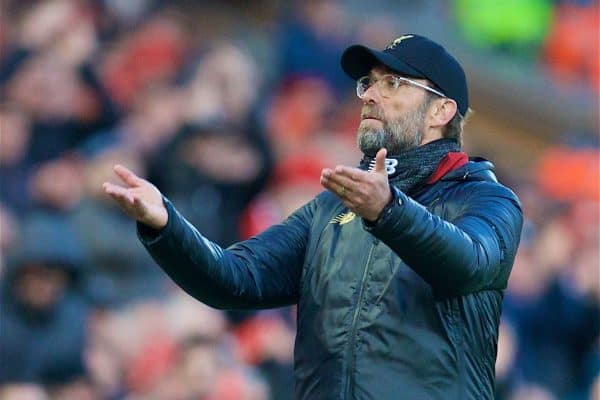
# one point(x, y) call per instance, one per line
point(357, 61)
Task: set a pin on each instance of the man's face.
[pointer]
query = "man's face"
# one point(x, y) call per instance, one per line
point(396, 122)
point(40, 286)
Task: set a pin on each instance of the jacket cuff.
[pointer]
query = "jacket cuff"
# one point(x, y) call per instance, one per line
point(148, 235)
point(390, 215)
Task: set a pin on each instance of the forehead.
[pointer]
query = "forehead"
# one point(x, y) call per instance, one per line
point(380, 70)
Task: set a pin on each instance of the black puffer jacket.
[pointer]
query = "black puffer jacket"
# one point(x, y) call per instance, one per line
point(407, 309)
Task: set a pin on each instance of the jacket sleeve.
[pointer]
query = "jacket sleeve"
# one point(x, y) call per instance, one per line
point(472, 252)
point(261, 272)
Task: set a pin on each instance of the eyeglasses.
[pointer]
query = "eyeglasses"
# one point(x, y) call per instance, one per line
point(388, 84)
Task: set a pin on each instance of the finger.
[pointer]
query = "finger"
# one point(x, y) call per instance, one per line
point(349, 198)
point(333, 187)
point(122, 199)
point(342, 181)
point(354, 174)
point(118, 193)
point(127, 176)
point(380, 161)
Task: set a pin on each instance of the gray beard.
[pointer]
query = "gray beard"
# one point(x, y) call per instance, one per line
point(396, 136)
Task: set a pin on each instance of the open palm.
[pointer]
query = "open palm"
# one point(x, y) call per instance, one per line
point(139, 199)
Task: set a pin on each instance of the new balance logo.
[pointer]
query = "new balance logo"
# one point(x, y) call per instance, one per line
point(390, 165)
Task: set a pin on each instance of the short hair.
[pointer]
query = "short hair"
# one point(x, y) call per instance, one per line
point(454, 127)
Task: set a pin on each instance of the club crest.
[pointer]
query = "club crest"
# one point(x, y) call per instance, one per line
point(397, 41)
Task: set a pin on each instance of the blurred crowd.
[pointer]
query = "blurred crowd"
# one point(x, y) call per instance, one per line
point(561, 34)
point(232, 110)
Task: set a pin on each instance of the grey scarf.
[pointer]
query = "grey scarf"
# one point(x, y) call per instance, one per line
point(409, 170)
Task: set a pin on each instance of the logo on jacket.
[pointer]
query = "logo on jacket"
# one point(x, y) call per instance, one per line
point(343, 218)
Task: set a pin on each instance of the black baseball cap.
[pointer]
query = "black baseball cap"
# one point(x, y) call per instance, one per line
point(415, 56)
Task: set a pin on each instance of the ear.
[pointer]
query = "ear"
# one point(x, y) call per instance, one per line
point(442, 112)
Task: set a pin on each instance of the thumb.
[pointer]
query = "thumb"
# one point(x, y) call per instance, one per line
point(380, 161)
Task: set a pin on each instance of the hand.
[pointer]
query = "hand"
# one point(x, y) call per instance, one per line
point(364, 193)
point(140, 200)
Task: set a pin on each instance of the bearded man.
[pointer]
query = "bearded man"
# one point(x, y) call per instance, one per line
point(398, 268)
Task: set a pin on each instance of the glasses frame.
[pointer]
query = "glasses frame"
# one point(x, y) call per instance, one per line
point(397, 80)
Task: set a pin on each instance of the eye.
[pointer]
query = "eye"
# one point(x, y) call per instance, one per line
point(365, 82)
point(390, 83)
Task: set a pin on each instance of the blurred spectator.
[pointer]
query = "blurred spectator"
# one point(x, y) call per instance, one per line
point(224, 87)
point(188, 318)
point(22, 391)
point(532, 392)
point(239, 384)
point(10, 233)
point(299, 114)
point(49, 74)
point(199, 365)
point(557, 319)
point(127, 12)
point(212, 174)
point(56, 185)
point(220, 159)
point(153, 119)
point(571, 47)
point(507, 376)
point(570, 174)
point(44, 317)
point(267, 342)
point(152, 54)
point(105, 369)
point(311, 38)
point(293, 184)
point(14, 158)
point(119, 270)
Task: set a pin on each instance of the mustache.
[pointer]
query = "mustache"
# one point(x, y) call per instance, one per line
point(372, 112)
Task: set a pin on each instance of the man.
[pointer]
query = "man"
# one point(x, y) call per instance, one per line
point(398, 268)
point(43, 314)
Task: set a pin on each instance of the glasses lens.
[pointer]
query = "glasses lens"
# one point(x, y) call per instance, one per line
point(388, 85)
point(362, 85)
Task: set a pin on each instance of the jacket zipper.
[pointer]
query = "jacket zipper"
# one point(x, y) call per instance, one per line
point(353, 326)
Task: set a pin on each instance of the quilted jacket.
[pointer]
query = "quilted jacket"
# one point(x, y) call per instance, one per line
point(406, 309)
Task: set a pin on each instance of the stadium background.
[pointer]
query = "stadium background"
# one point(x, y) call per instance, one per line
point(232, 108)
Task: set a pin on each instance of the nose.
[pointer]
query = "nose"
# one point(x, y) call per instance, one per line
point(371, 96)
